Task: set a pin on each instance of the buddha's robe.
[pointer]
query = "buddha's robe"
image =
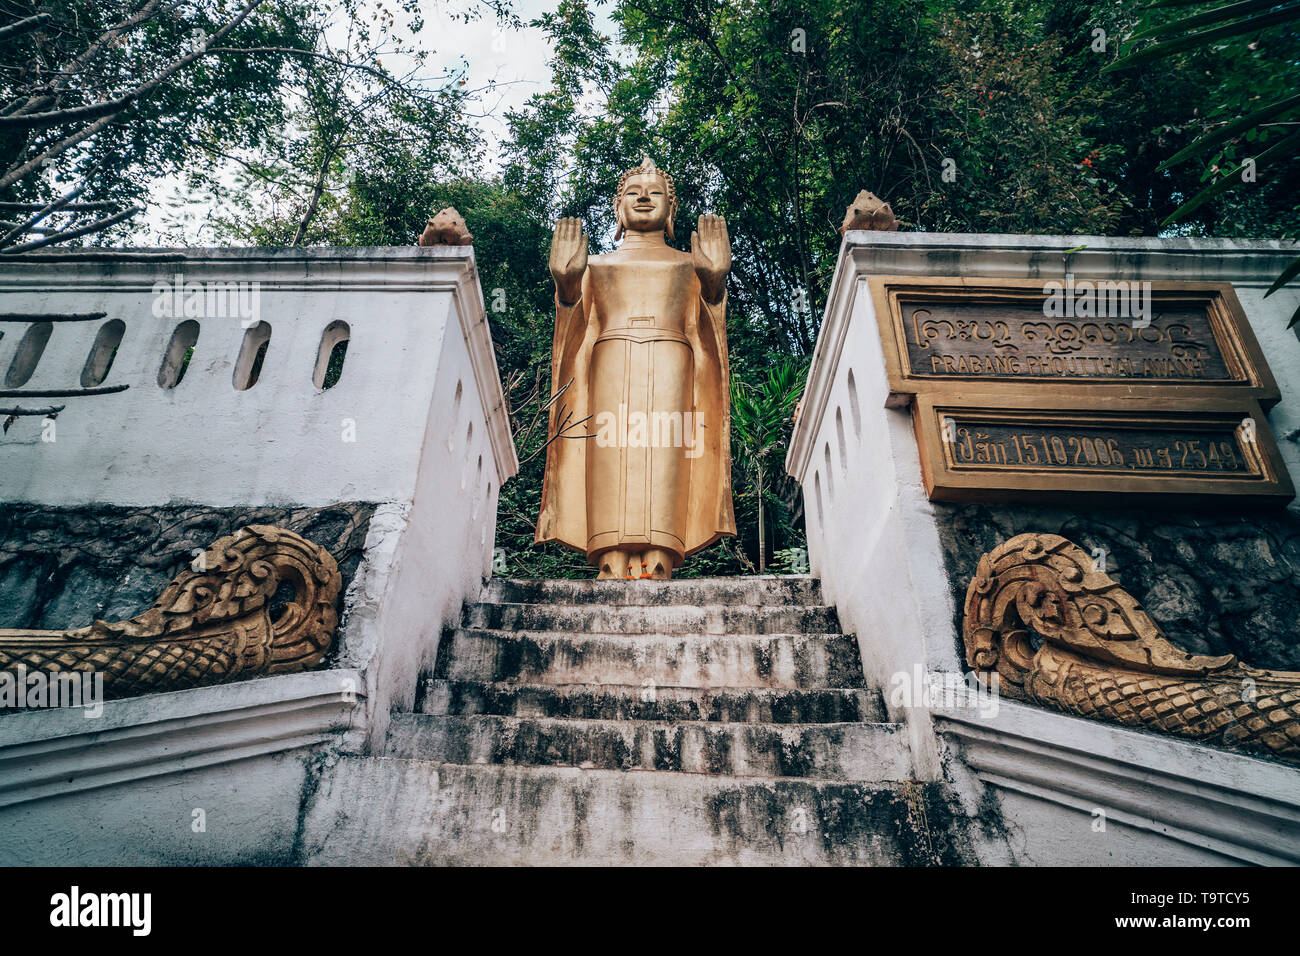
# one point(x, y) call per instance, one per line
point(644, 454)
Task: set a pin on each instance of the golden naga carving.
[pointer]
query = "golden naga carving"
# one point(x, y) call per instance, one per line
point(1101, 656)
point(869, 211)
point(447, 228)
point(216, 622)
point(638, 460)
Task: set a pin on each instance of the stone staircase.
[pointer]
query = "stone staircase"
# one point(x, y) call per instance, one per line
point(705, 721)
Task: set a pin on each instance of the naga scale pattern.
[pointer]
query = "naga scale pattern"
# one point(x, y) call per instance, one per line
point(1061, 634)
point(216, 622)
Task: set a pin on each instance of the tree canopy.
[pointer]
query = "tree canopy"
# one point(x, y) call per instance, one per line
point(967, 116)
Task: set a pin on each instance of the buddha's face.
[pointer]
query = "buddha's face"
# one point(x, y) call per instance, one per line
point(643, 207)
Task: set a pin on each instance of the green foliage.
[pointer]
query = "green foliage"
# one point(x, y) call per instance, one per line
point(94, 52)
point(774, 115)
point(1248, 137)
point(784, 561)
point(355, 128)
point(761, 413)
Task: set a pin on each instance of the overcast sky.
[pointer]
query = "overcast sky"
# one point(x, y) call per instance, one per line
point(515, 59)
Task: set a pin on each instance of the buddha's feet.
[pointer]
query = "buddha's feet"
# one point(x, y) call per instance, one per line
point(654, 563)
point(657, 564)
point(613, 564)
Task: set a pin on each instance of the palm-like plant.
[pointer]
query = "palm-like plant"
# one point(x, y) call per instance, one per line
point(760, 428)
point(1277, 116)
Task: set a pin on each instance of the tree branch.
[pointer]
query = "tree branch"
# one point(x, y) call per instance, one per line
point(25, 25)
point(97, 226)
point(41, 214)
point(143, 89)
point(69, 115)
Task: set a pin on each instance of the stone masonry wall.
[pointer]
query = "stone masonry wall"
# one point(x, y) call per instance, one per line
point(1215, 584)
point(64, 567)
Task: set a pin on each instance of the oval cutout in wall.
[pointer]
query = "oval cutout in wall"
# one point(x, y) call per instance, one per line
point(179, 352)
point(839, 438)
point(102, 353)
point(29, 353)
point(331, 355)
point(469, 440)
point(455, 417)
point(478, 479)
point(855, 409)
point(248, 367)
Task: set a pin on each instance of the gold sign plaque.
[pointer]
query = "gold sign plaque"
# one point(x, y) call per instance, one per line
point(1169, 451)
point(1102, 336)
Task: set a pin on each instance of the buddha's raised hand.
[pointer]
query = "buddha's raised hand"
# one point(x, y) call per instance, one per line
point(711, 252)
point(568, 258)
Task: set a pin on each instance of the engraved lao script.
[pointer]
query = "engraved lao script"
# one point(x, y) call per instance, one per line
point(1015, 340)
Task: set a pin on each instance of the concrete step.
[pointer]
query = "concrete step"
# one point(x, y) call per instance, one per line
point(850, 751)
point(637, 702)
point(659, 619)
point(390, 811)
point(749, 591)
point(667, 660)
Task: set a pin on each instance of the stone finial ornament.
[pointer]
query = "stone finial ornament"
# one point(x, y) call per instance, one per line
point(218, 621)
point(1102, 657)
point(447, 228)
point(869, 211)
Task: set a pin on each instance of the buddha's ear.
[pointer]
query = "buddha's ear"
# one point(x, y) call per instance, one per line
point(622, 226)
point(672, 214)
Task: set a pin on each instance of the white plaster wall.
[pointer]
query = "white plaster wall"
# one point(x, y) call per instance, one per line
point(873, 540)
point(433, 462)
point(872, 537)
point(280, 442)
point(123, 787)
point(1281, 348)
point(426, 558)
point(250, 816)
point(1077, 792)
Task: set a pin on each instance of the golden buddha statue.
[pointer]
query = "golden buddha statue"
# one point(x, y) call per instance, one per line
point(638, 467)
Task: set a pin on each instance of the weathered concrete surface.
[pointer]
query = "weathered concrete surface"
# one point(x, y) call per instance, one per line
point(671, 660)
point(630, 737)
point(761, 590)
point(839, 751)
point(1216, 583)
point(660, 619)
point(65, 567)
point(388, 811)
point(769, 705)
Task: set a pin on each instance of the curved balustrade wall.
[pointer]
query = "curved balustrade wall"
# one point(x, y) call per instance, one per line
point(151, 398)
point(1219, 578)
